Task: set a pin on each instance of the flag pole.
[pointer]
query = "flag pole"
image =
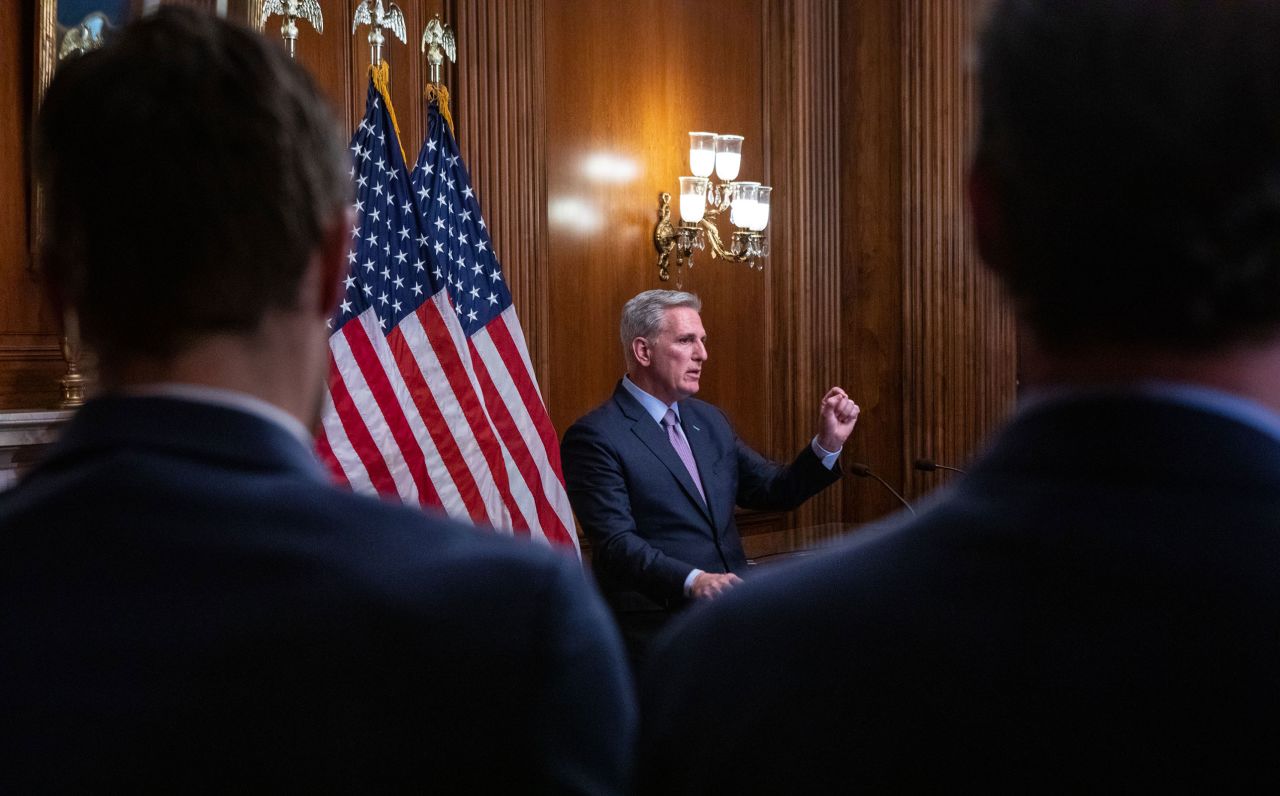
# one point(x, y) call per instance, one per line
point(438, 42)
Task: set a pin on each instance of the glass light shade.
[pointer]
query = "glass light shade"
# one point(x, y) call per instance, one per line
point(744, 202)
point(728, 156)
point(761, 218)
point(702, 153)
point(693, 199)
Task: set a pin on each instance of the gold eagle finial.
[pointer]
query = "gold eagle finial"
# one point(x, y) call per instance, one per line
point(438, 42)
point(292, 11)
point(373, 14)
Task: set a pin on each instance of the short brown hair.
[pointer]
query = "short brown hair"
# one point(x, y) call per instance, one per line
point(189, 170)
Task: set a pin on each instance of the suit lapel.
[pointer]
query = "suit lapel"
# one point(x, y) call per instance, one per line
point(654, 437)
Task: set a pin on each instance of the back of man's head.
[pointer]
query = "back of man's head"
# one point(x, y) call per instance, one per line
point(1131, 151)
point(189, 170)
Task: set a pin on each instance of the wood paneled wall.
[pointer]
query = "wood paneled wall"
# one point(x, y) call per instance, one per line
point(960, 345)
point(30, 352)
point(573, 115)
point(802, 57)
point(500, 115)
point(871, 226)
point(931, 341)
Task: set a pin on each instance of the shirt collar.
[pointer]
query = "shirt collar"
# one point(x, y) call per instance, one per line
point(1193, 396)
point(654, 406)
point(227, 399)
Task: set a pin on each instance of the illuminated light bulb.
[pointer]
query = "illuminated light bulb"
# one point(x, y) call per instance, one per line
point(728, 156)
point(693, 199)
point(702, 153)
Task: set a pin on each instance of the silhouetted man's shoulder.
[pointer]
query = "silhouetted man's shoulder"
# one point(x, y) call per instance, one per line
point(188, 589)
point(1090, 602)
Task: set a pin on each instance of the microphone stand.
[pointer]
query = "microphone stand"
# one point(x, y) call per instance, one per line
point(863, 471)
point(929, 465)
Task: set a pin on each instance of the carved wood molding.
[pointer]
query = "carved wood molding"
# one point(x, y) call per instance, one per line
point(960, 347)
point(500, 118)
point(31, 353)
point(801, 55)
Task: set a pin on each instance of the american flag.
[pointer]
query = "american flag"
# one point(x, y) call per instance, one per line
point(432, 396)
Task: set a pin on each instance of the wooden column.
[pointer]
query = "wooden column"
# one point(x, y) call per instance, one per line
point(928, 337)
point(958, 334)
point(498, 110)
point(802, 62)
point(871, 227)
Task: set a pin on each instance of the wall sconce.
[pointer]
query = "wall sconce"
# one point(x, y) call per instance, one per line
point(702, 200)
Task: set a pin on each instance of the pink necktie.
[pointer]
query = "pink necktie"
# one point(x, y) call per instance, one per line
point(682, 450)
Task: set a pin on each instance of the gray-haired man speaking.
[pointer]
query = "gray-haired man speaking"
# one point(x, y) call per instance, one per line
point(654, 474)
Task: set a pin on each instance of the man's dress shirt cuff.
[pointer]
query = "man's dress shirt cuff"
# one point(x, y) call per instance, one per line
point(828, 457)
point(688, 582)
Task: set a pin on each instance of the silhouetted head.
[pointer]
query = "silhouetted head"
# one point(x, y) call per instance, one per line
point(1127, 179)
point(190, 170)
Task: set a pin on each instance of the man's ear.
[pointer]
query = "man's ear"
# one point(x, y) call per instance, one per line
point(641, 351)
point(330, 258)
point(989, 224)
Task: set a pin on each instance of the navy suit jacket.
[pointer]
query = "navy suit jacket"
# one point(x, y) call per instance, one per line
point(1097, 603)
point(188, 603)
point(637, 504)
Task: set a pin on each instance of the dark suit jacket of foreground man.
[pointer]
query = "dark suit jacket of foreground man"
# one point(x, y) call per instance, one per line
point(186, 600)
point(637, 503)
point(1096, 604)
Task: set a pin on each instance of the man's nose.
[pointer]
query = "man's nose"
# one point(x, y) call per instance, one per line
point(700, 352)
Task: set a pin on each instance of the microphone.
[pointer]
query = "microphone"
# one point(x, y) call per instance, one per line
point(929, 465)
point(863, 471)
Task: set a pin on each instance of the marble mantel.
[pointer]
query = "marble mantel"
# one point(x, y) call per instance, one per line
point(22, 436)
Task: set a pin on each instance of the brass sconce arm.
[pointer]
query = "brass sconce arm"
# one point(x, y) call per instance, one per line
point(682, 239)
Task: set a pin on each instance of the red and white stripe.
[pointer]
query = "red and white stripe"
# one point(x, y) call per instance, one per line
point(424, 413)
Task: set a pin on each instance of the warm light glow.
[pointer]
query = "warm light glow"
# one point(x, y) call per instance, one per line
point(693, 199)
point(702, 153)
point(692, 208)
point(607, 167)
point(742, 212)
point(574, 214)
point(701, 162)
point(761, 218)
point(755, 216)
point(728, 156)
point(728, 164)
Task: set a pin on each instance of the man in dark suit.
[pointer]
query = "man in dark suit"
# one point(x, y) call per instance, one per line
point(1097, 602)
point(187, 602)
point(654, 474)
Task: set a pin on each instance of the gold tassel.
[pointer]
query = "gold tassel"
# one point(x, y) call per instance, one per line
point(437, 93)
point(381, 74)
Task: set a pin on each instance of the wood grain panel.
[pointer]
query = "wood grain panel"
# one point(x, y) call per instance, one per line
point(499, 114)
point(29, 354)
point(625, 83)
point(871, 227)
point(959, 336)
point(30, 367)
point(328, 57)
point(802, 49)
